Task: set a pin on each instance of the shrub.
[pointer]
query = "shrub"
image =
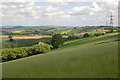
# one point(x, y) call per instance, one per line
point(98, 34)
point(21, 52)
point(102, 33)
point(86, 35)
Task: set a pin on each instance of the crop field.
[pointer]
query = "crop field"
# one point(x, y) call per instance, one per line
point(94, 57)
point(28, 37)
point(23, 37)
point(22, 42)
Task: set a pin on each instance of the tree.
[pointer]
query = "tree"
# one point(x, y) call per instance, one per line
point(75, 27)
point(86, 35)
point(57, 40)
point(10, 37)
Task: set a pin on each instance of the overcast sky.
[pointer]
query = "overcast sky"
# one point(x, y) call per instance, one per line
point(58, 12)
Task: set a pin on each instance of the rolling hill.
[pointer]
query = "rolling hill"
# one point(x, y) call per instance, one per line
point(95, 57)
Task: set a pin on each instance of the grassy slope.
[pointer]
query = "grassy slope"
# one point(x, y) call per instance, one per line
point(80, 61)
point(108, 37)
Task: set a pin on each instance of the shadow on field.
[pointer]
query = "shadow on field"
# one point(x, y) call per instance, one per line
point(100, 43)
point(106, 42)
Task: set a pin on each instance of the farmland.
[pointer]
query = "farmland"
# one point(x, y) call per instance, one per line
point(59, 39)
point(92, 57)
point(22, 42)
point(28, 36)
point(80, 56)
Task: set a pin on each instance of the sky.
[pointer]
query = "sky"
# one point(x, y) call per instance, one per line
point(57, 12)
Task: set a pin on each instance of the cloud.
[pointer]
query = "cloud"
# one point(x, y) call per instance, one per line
point(59, 0)
point(54, 13)
point(95, 5)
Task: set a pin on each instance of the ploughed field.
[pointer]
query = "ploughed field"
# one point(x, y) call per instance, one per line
point(24, 37)
point(94, 57)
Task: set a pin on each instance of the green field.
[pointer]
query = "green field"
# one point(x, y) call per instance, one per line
point(22, 42)
point(94, 57)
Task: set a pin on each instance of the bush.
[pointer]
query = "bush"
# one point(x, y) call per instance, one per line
point(86, 35)
point(16, 53)
point(98, 34)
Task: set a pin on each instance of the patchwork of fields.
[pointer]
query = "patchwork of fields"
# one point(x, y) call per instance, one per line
point(59, 39)
point(93, 57)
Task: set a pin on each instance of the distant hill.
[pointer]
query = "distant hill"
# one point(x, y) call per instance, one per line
point(13, 27)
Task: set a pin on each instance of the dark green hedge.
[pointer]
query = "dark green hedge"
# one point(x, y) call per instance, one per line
point(16, 53)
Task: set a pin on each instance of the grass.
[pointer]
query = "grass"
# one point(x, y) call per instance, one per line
point(79, 61)
point(47, 36)
point(83, 41)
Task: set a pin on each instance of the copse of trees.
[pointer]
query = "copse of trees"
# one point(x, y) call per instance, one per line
point(16, 53)
point(57, 40)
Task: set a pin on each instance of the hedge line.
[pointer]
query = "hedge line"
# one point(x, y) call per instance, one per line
point(16, 53)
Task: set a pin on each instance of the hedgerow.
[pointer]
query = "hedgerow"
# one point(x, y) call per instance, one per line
point(21, 52)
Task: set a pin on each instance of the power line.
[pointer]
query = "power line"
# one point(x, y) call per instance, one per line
point(111, 20)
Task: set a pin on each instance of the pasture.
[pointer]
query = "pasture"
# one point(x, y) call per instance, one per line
point(97, 58)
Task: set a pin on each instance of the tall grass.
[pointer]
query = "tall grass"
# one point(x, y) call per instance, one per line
point(81, 61)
